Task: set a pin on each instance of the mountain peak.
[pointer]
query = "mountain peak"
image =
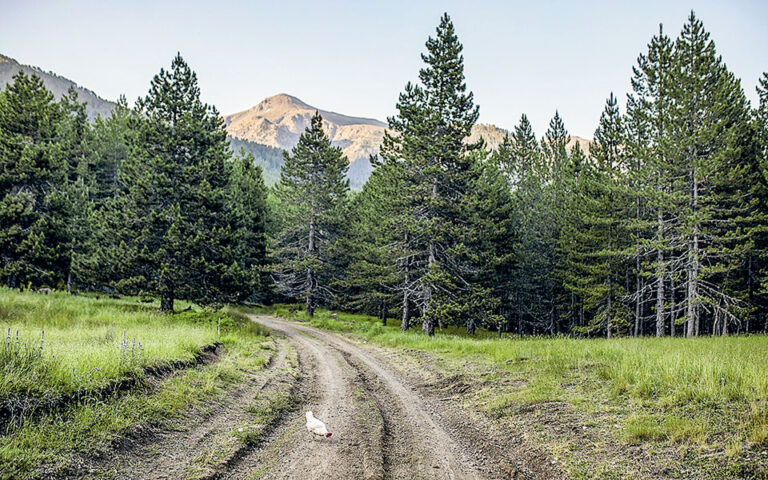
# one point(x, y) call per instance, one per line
point(279, 120)
point(281, 100)
point(282, 106)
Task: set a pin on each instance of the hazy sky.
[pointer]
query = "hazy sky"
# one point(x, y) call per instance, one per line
point(354, 57)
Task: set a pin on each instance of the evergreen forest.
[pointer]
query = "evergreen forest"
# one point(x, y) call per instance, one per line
point(659, 228)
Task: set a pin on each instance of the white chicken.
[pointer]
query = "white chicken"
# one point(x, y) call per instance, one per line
point(316, 427)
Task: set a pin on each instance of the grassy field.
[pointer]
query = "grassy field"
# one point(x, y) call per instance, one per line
point(698, 404)
point(67, 344)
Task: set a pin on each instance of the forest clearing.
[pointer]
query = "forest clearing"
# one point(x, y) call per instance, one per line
point(401, 405)
point(287, 292)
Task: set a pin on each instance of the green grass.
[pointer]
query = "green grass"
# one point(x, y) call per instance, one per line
point(707, 393)
point(54, 344)
point(703, 371)
point(86, 334)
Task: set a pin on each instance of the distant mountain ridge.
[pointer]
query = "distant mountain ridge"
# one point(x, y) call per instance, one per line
point(58, 85)
point(273, 125)
point(278, 121)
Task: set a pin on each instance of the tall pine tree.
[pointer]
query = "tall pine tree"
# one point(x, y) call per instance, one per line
point(597, 242)
point(312, 195)
point(177, 233)
point(428, 142)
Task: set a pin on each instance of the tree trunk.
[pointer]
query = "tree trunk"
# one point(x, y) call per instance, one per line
point(638, 303)
point(692, 310)
point(310, 306)
point(693, 268)
point(69, 282)
point(428, 326)
point(660, 278)
point(638, 286)
point(428, 322)
point(750, 294)
point(166, 299)
point(609, 324)
point(672, 311)
point(405, 322)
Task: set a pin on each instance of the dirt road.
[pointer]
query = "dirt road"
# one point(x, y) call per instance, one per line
point(383, 426)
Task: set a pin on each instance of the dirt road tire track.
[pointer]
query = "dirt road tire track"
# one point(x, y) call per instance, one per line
point(332, 389)
point(411, 444)
point(384, 426)
point(172, 454)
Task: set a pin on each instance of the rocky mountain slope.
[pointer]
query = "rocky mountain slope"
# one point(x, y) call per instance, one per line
point(278, 121)
point(95, 105)
point(494, 136)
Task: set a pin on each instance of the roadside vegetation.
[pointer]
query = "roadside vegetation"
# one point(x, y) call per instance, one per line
point(604, 407)
point(52, 385)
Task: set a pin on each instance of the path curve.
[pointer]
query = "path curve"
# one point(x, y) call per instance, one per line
point(382, 427)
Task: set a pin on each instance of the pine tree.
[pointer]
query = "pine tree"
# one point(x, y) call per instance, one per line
point(528, 176)
point(176, 236)
point(74, 140)
point(428, 136)
point(651, 175)
point(736, 203)
point(518, 160)
point(598, 240)
point(761, 118)
point(557, 174)
point(757, 270)
point(312, 195)
point(580, 272)
point(248, 212)
point(99, 264)
point(518, 156)
point(554, 147)
point(495, 284)
point(372, 277)
point(110, 147)
point(33, 178)
point(704, 127)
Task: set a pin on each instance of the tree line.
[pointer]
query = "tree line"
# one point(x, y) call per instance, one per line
point(658, 228)
point(148, 201)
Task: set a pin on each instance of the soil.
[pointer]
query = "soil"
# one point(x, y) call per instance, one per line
point(384, 426)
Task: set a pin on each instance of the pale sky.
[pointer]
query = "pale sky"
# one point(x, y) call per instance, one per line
point(354, 57)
